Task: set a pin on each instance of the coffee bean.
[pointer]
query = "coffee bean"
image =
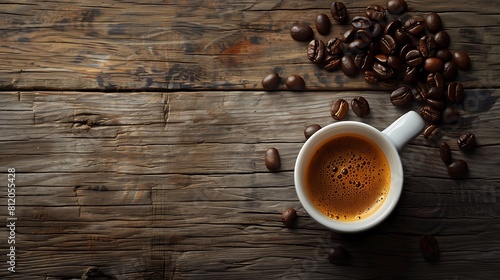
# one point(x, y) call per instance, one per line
point(332, 62)
point(432, 132)
point(405, 50)
point(360, 22)
point(466, 141)
point(401, 96)
point(462, 60)
point(371, 77)
point(381, 58)
point(410, 75)
point(334, 46)
point(375, 12)
point(455, 92)
point(427, 46)
point(449, 71)
point(363, 61)
point(301, 33)
point(271, 81)
point(383, 71)
point(436, 104)
point(388, 45)
point(323, 24)
point(415, 25)
point(445, 153)
point(348, 66)
point(311, 129)
point(339, 109)
point(444, 55)
point(429, 114)
point(429, 247)
point(421, 92)
point(338, 11)
point(450, 115)
point(375, 30)
point(435, 80)
point(272, 159)
point(349, 35)
point(414, 58)
point(433, 65)
point(358, 44)
point(289, 216)
point(360, 106)
point(458, 169)
point(295, 82)
point(396, 7)
point(338, 256)
point(402, 37)
point(394, 62)
point(433, 22)
point(316, 51)
point(392, 26)
point(442, 39)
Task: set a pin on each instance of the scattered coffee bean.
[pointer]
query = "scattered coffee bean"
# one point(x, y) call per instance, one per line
point(316, 51)
point(401, 96)
point(450, 115)
point(371, 77)
point(394, 62)
point(338, 11)
point(432, 132)
point(348, 66)
point(360, 106)
point(427, 46)
point(334, 46)
point(332, 62)
point(436, 103)
point(311, 129)
point(414, 58)
point(443, 54)
point(289, 216)
point(383, 71)
point(323, 24)
point(449, 71)
point(466, 141)
point(462, 60)
point(360, 22)
point(339, 256)
point(429, 114)
point(415, 25)
point(435, 81)
point(455, 92)
point(295, 82)
point(429, 247)
point(433, 65)
point(445, 153)
point(458, 169)
point(339, 109)
point(271, 81)
point(442, 39)
point(301, 33)
point(375, 12)
point(410, 74)
point(433, 22)
point(396, 7)
point(272, 159)
point(421, 91)
point(388, 45)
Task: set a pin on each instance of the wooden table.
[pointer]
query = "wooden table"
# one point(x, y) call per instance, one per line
point(137, 131)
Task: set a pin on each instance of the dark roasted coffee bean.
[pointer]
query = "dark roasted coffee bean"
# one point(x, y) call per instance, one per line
point(435, 80)
point(449, 71)
point(288, 217)
point(339, 109)
point(349, 35)
point(445, 153)
point(374, 47)
point(401, 96)
point(414, 58)
point(402, 37)
point(358, 44)
point(466, 141)
point(375, 30)
point(433, 22)
point(444, 55)
point(404, 51)
point(436, 93)
point(450, 115)
point(388, 45)
point(334, 46)
point(338, 11)
point(394, 62)
point(363, 61)
point(360, 106)
point(272, 159)
point(382, 58)
point(375, 12)
point(338, 256)
point(415, 25)
point(410, 75)
point(433, 65)
point(396, 7)
point(301, 33)
point(442, 39)
point(311, 129)
point(316, 51)
point(455, 92)
point(421, 92)
point(348, 66)
point(295, 82)
point(429, 114)
point(271, 81)
point(360, 22)
point(432, 132)
point(429, 248)
point(371, 77)
point(323, 24)
point(427, 46)
point(458, 169)
point(364, 35)
point(332, 62)
point(383, 71)
point(462, 60)
point(392, 26)
point(436, 104)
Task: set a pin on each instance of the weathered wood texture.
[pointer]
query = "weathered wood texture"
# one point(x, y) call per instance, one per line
point(116, 45)
point(173, 186)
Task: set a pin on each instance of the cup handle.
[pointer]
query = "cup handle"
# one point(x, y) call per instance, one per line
point(404, 129)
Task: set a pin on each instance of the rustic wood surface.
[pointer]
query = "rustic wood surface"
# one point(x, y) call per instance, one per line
point(137, 130)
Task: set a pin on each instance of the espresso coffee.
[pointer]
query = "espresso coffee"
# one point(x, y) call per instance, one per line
point(348, 177)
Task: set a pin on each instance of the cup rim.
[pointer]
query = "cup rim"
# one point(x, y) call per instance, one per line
point(393, 158)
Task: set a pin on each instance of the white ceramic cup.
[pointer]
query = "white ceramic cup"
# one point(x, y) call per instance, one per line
point(391, 141)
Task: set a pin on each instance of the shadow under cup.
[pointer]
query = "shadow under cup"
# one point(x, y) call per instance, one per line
point(385, 145)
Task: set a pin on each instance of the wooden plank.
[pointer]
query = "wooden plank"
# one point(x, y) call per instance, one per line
point(157, 45)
